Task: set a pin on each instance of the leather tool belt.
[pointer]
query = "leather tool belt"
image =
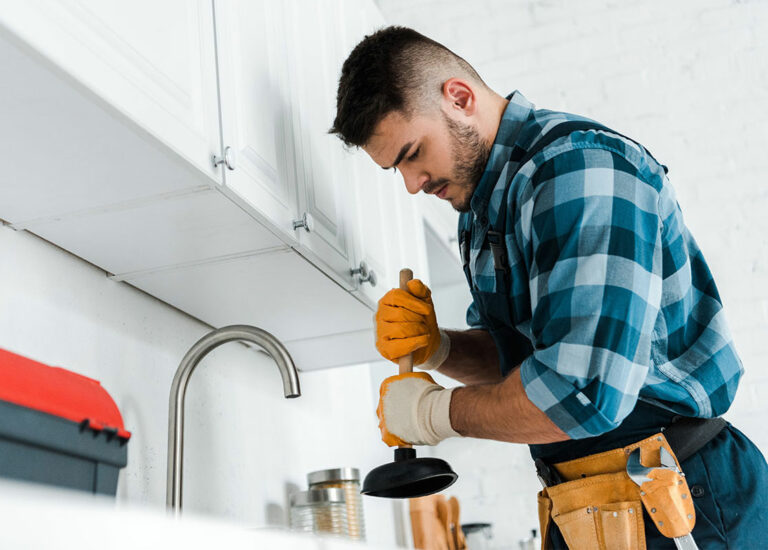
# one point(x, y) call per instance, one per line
point(597, 506)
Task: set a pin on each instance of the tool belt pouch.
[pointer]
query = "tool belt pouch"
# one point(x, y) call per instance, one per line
point(601, 507)
point(545, 517)
point(600, 512)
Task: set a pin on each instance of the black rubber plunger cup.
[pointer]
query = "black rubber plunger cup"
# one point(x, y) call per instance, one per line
point(408, 476)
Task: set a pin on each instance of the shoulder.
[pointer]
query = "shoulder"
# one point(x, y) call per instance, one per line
point(587, 189)
point(584, 134)
point(596, 148)
point(589, 166)
point(569, 159)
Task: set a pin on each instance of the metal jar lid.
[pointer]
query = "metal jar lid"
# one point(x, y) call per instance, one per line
point(333, 474)
point(318, 496)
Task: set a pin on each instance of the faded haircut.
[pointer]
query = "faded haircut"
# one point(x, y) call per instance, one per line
point(393, 69)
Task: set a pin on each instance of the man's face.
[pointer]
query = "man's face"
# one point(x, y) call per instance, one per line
point(434, 153)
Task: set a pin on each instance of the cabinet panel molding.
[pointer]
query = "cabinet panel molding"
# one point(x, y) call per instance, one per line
point(255, 108)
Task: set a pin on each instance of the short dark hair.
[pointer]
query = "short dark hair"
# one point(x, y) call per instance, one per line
point(393, 69)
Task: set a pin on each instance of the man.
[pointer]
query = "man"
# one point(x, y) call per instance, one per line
point(596, 325)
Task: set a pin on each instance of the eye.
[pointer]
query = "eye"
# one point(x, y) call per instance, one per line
point(415, 154)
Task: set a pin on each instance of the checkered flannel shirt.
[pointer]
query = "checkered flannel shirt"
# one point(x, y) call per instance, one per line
point(620, 304)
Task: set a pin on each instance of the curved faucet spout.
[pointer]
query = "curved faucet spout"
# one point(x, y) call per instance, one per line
point(193, 357)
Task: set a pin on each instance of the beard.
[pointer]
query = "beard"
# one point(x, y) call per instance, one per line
point(470, 156)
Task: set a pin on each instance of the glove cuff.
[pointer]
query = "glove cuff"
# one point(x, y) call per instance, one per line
point(440, 355)
point(435, 416)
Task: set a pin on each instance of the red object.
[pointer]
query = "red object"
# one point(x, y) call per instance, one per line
point(60, 392)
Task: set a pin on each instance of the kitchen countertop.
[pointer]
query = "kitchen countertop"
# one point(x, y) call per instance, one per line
point(37, 517)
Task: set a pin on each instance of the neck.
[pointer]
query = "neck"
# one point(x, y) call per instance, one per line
point(496, 106)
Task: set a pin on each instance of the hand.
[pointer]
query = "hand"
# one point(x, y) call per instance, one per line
point(413, 409)
point(406, 323)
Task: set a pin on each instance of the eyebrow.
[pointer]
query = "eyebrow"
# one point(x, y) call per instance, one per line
point(400, 155)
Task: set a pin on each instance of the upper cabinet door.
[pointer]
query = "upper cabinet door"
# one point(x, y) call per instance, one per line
point(153, 61)
point(376, 234)
point(256, 109)
point(442, 219)
point(376, 237)
point(314, 62)
point(410, 224)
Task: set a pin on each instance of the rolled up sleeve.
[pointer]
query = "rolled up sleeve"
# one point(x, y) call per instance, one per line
point(594, 247)
point(474, 320)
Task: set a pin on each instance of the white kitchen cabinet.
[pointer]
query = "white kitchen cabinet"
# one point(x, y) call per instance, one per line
point(96, 183)
point(376, 237)
point(314, 60)
point(110, 123)
point(152, 61)
point(256, 115)
point(159, 234)
point(443, 220)
point(66, 152)
point(412, 249)
point(376, 240)
point(321, 324)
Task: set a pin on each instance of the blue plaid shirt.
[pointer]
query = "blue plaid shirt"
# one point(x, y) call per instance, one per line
point(617, 299)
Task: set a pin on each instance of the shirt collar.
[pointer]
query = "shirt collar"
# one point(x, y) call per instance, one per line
point(518, 110)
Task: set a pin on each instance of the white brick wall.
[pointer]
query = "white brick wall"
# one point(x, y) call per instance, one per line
point(688, 79)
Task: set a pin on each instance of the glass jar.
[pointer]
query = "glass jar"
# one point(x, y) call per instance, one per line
point(320, 511)
point(347, 479)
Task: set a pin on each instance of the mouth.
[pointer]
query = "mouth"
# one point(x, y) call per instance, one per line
point(442, 192)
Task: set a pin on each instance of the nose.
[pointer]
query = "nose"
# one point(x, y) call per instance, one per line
point(414, 181)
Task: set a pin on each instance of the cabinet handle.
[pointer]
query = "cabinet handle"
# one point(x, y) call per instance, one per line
point(364, 275)
point(228, 159)
point(306, 221)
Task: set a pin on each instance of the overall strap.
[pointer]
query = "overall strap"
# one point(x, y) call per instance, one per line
point(465, 238)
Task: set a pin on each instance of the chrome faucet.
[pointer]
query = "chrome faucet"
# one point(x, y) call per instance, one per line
point(202, 347)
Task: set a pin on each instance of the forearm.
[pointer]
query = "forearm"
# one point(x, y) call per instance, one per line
point(473, 358)
point(503, 412)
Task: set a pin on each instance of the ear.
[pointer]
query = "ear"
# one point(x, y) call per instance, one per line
point(458, 94)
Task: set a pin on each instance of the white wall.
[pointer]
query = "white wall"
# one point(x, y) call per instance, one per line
point(688, 79)
point(246, 445)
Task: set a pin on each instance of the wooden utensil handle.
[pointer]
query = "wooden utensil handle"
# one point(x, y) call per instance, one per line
point(405, 362)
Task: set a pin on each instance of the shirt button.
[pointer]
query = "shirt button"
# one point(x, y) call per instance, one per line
point(697, 491)
point(483, 221)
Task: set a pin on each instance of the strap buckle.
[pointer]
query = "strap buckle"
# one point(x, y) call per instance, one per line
point(499, 251)
point(464, 247)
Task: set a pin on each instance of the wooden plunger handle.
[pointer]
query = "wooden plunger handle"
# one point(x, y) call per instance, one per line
point(405, 362)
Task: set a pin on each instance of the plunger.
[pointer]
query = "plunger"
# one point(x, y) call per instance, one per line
point(408, 476)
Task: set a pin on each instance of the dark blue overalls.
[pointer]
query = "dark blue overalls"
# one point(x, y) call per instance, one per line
point(728, 477)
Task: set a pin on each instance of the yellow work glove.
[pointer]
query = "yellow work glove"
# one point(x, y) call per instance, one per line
point(414, 410)
point(406, 323)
